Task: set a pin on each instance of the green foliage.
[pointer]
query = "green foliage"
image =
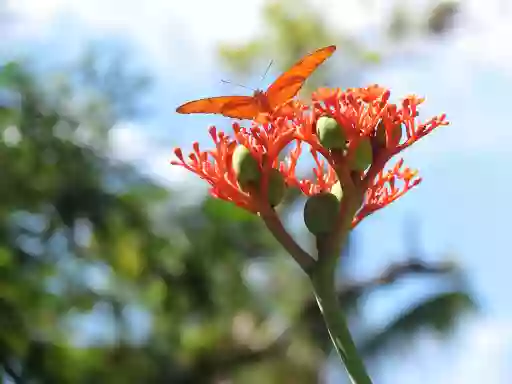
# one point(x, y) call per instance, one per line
point(438, 313)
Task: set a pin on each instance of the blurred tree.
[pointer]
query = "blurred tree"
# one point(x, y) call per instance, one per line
point(58, 207)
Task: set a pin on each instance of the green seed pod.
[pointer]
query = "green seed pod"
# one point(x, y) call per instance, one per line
point(330, 133)
point(363, 155)
point(245, 166)
point(396, 135)
point(380, 135)
point(337, 191)
point(276, 187)
point(320, 213)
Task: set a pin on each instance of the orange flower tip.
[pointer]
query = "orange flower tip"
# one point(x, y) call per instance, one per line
point(195, 146)
point(350, 97)
point(417, 100)
point(178, 153)
point(281, 119)
point(236, 126)
point(231, 146)
point(386, 95)
point(212, 130)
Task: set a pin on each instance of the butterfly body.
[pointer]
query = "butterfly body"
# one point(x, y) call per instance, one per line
point(262, 103)
point(261, 99)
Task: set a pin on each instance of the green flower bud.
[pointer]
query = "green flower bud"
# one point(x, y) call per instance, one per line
point(321, 212)
point(245, 166)
point(363, 155)
point(330, 134)
point(276, 187)
point(337, 191)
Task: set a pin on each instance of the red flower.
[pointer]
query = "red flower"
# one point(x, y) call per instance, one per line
point(361, 113)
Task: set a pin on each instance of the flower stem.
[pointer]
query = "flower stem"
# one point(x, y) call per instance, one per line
point(323, 280)
point(277, 229)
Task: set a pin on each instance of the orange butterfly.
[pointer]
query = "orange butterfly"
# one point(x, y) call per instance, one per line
point(262, 103)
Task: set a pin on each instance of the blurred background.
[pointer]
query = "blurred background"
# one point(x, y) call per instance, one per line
point(116, 267)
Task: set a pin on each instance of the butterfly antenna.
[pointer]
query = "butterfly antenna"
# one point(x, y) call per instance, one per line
point(266, 70)
point(238, 85)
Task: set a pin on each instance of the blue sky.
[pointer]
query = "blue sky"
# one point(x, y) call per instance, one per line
point(463, 202)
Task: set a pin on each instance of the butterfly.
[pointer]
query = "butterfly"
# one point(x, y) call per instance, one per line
point(262, 103)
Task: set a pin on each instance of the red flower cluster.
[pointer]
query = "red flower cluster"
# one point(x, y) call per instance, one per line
point(362, 114)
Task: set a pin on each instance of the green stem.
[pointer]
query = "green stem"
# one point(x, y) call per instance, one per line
point(323, 279)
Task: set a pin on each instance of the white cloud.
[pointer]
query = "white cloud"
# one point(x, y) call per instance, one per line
point(468, 76)
point(484, 34)
point(174, 34)
point(486, 351)
point(479, 352)
point(35, 11)
point(362, 14)
point(188, 31)
point(130, 144)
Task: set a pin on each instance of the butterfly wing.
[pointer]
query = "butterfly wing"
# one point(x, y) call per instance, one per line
point(240, 107)
point(289, 83)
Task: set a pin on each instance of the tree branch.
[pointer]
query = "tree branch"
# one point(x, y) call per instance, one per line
point(275, 226)
point(393, 273)
point(12, 374)
point(350, 290)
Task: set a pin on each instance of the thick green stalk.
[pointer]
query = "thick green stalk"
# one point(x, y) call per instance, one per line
point(323, 279)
